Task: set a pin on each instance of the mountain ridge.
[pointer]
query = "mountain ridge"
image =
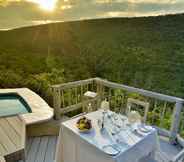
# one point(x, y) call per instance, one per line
point(93, 19)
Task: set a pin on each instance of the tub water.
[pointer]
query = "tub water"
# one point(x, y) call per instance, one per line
point(13, 104)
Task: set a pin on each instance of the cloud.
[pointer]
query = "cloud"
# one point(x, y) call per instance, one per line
point(6, 2)
point(27, 12)
point(138, 1)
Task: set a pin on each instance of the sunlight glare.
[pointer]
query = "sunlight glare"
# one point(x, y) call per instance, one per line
point(47, 5)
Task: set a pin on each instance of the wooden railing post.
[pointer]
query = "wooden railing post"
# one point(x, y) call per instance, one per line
point(175, 121)
point(100, 93)
point(57, 103)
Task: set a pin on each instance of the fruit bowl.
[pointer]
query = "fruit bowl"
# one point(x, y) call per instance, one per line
point(84, 125)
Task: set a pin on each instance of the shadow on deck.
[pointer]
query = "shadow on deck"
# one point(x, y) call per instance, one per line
point(42, 149)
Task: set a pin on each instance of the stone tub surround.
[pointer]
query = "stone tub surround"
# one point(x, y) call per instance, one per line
point(41, 111)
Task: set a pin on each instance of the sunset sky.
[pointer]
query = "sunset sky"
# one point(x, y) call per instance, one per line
point(17, 13)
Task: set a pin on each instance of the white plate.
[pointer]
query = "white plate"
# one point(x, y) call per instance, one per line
point(110, 150)
point(139, 133)
point(145, 128)
point(85, 130)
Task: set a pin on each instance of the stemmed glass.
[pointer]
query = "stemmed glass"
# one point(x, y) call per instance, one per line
point(133, 119)
point(115, 127)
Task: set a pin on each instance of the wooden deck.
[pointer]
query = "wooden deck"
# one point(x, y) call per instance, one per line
point(12, 137)
point(169, 150)
point(42, 149)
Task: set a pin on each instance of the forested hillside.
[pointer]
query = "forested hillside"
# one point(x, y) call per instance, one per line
point(143, 52)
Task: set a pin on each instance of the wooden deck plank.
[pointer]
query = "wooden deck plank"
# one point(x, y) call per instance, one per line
point(170, 150)
point(2, 150)
point(42, 149)
point(33, 150)
point(13, 135)
point(50, 152)
point(39, 148)
point(16, 123)
point(2, 159)
point(55, 147)
point(28, 145)
point(6, 142)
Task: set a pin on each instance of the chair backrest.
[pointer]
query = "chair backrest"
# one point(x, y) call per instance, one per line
point(89, 99)
point(144, 105)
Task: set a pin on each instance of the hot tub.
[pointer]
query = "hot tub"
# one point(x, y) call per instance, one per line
point(26, 104)
point(12, 104)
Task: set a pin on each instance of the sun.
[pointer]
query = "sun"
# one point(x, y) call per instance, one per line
point(47, 5)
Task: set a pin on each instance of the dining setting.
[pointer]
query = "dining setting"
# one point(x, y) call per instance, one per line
point(107, 136)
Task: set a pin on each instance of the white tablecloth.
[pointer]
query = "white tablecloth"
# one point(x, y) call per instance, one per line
point(73, 146)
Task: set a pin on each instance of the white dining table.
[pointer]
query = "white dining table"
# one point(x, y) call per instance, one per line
point(74, 146)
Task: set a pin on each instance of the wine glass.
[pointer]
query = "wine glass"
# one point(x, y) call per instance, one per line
point(89, 108)
point(105, 106)
point(133, 118)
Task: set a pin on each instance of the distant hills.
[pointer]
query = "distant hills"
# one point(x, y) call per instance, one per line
point(145, 52)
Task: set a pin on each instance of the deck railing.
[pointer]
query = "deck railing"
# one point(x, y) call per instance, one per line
point(165, 112)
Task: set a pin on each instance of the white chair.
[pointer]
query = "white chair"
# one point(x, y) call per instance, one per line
point(167, 152)
point(105, 105)
point(89, 98)
point(144, 105)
